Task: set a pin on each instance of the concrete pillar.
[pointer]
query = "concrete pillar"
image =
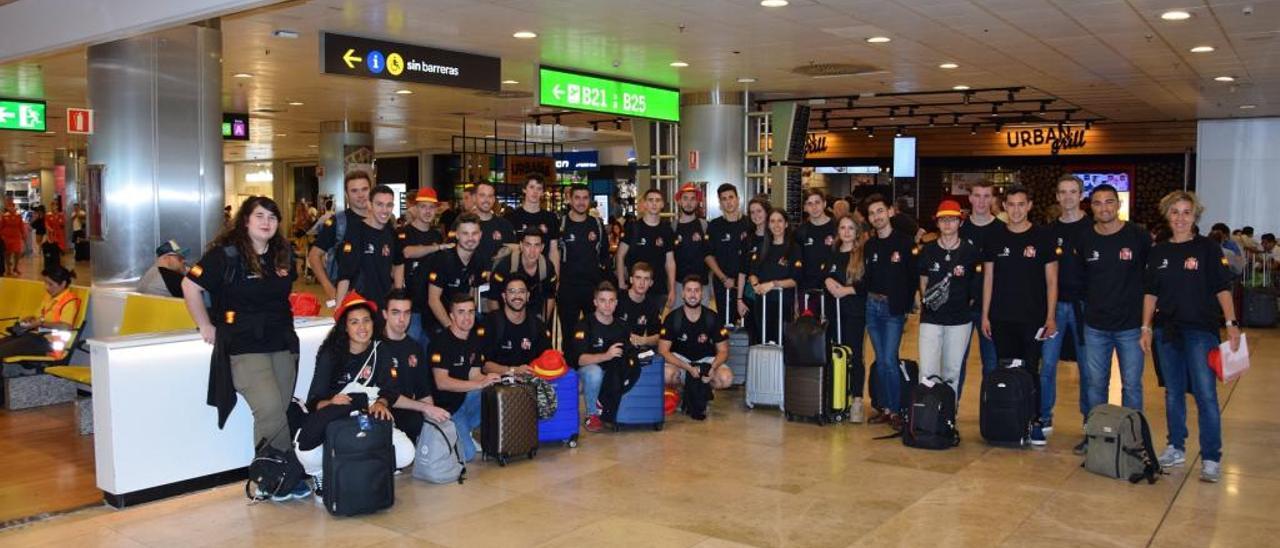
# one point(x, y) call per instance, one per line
point(157, 101)
point(711, 123)
point(344, 145)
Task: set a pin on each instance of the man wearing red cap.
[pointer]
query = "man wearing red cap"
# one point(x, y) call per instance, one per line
point(649, 240)
point(950, 281)
point(691, 234)
point(417, 241)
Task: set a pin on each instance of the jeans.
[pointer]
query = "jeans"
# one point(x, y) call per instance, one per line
point(1126, 345)
point(417, 331)
point(986, 349)
point(1065, 317)
point(1186, 359)
point(467, 419)
point(886, 336)
point(941, 351)
point(592, 378)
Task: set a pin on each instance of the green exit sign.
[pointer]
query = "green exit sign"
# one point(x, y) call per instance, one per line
point(22, 115)
point(577, 91)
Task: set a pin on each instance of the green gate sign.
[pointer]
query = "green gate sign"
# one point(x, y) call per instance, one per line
point(22, 115)
point(577, 91)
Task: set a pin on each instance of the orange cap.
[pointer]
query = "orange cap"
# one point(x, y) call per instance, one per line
point(550, 365)
point(353, 299)
point(689, 187)
point(948, 208)
point(427, 195)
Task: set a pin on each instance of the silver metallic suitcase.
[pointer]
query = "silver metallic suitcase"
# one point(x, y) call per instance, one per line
point(765, 364)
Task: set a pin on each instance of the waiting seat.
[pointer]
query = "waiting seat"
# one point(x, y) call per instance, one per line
point(24, 386)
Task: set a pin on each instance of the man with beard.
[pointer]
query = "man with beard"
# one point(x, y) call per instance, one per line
point(891, 285)
point(584, 242)
point(695, 344)
point(691, 234)
point(513, 337)
point(495, 232)
point(370, 252)
point(333, 231)
point(728, 238)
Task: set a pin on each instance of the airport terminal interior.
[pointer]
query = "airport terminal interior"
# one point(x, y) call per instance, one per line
point(132, 132)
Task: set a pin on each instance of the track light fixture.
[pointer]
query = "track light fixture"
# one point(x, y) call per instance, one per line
point(871, 133)
point(1088, 124)
point(973, 130)
point(893, 113)
point(855, 123)
point(1067, 116)
point(955, 119)
point(930, 121)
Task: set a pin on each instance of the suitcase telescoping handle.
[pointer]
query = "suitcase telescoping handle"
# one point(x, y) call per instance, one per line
point(764, 306)
point(728, 307)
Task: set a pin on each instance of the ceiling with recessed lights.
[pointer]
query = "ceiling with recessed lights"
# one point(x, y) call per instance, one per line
point(1122, 60)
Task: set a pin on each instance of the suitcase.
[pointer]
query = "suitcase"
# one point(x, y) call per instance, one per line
point(562, 427)
point(52, 254)
point(508, 421)
point(841, 401)
point(359, 463)
point(765, 371)
point(1259, 307)
point(806, 395)
point(1007, 404)
point(82, 250)
point(643, 405)
point(739, 342)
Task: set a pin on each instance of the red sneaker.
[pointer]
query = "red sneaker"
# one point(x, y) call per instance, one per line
point(594, 424)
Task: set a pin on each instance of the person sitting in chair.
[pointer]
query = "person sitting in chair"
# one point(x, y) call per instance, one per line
point(40, 335)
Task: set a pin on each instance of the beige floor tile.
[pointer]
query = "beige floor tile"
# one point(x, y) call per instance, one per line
point(1194, 528)
point(1236, 494)
point(214, 522)
point(317, 529)
point(1089, 520)
point(961, 512)
point(523, 521)
point(419, 503)
point(720, 543)
point(618, 532)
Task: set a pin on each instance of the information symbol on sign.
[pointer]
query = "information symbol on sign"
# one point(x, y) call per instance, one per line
point(575, 93)
point(395, 64)
point(375, 61)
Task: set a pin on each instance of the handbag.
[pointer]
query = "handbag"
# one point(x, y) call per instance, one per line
point(273, 472)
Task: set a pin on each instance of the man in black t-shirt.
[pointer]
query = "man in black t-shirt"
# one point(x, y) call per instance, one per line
point(530, 262)
point(891, 282)
point(815, 237)
point(370, 251)
point(530, 215)
point(640, 308)
point(457, 270)
point(495, 232)
point(650, 240)
point(456, 357)
point(976, 228)
point(601, 350)
point(418, 240)
point(410, 373)
point(949, 272)
point(691, 234)
point(513, 337)
point(334, 229)
point(728, 236)
point(1067, 231)
point(694, 342)
point(585, 247)
point(1020, 291)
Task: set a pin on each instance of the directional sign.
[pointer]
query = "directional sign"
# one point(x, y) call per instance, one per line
point(235, 126)
point(80, 121)
point(355, 56)
point(22, 115)
point(577, 91)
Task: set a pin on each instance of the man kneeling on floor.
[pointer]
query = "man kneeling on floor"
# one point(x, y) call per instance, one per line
point(456, 357)
point(602, 349)
point(514, 337)
point(695, 346)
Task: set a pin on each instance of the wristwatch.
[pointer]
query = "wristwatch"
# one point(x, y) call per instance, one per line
point(1231, 323)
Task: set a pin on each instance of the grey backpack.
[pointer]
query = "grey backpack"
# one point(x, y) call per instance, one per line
point(439, 460)
point(1120, 444)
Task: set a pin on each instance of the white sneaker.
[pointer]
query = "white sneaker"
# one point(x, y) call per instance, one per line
point(1172, 457)
point(1210, 471)
point(856, 411)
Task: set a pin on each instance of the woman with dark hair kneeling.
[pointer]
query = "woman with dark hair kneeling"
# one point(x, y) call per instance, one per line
point(248, 272)
point(351, 375)
point(37, 335)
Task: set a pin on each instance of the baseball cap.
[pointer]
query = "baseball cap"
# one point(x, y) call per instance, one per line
point(689, 187)
point(427, 195)
point(171, 247)
point(948, 208)
point(353, 299)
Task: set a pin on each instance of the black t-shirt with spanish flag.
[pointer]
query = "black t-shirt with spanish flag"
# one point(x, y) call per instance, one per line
point(1186, 278)
point(891, 269)
point(1019, 292)
point(458, 358)
point(694, 340)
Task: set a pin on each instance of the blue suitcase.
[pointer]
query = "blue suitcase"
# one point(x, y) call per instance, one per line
point(642, 405)
point(562, 427)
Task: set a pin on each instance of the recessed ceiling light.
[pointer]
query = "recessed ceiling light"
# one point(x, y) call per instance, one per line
point(960, 87)
point(313, 146)
point(746, 80)
point(403, 142)
point(1175, 15)
point(525, 35)
point(1202, 49)
point(879, 39)
point(679, 64)
point(1225, 79)
point(296, 103)
point(285, 33)
point(1247, 107)
point(948, 66)
point(404, 92)
point(774, 3)
point(242, 75)
point(510, 82)
point(282, 135)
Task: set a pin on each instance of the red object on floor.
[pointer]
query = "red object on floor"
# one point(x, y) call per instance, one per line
point(670, 401)
point(304, 304)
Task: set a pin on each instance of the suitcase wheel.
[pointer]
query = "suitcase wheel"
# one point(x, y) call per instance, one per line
point(502, 461)
point(572, 442)
point(532, 453)
point(657, 427)
point(840, 417)
point(789, 417)
point(749, 405)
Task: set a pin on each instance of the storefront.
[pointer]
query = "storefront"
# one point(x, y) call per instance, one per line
point(1144, 160)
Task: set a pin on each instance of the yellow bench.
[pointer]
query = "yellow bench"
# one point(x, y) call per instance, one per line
point(24, 386)
point(19, 298)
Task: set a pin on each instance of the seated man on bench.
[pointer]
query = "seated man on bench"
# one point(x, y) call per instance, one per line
point(695, 345)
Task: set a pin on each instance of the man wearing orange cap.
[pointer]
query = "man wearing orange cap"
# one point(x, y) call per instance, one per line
point(417, 241)
point(691, 234)
point(950, 281)
point(513, 337)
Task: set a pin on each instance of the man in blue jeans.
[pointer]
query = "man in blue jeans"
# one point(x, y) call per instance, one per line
point(977, 229)
point(1114, 255)
point(456, 357)
point(891, 283)
point(1067, 231)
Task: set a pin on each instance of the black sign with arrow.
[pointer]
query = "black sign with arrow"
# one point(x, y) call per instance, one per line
point(355, 56)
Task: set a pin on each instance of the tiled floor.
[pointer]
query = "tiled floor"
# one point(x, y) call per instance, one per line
point(750, 478)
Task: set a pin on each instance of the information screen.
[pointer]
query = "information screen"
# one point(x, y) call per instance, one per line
point(904, 157)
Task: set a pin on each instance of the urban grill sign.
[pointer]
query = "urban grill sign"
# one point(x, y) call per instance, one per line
point(1057, 139)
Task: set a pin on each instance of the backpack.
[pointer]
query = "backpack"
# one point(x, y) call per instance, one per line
point(1120, 445)
point(931, 419)
point(439, 460)
point(1007, 404)
point(339, 234)
point(273, 472)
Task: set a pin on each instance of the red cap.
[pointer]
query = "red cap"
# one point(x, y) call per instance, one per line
point(427, 195)
point(689, 187)
point(353, 299)
point(550, 365)
point(948, 208)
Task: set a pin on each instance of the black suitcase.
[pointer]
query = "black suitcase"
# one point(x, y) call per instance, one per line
point(1259, 307)
point(359, 463)
point(1008, 404)
point(508, 421)
point(52, 254)
point(931, 420)
point(82, 250)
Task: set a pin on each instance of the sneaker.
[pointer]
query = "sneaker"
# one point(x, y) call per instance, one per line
point(855, 412)
point(300, 491)
point(896, 422)
point(880, 417)
point(1037, 436)
point(476, 443)
point(319, 490)
point(594, 424)
point(1210, 471)
point(1082, 447)
point(1171, 457)
point(1047, 426)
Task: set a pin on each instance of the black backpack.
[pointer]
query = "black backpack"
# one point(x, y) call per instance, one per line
point(931, 419)
point(273, 472)
point(1008, 404)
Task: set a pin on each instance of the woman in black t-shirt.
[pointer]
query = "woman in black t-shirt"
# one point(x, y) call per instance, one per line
point(758, 213)
point(248, 272)
point(774, 271)
point(846, 302)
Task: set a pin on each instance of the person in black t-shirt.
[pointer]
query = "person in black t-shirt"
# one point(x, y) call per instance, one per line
point(846, 298)
point(531, 263)
point(693, 341)
point(1067, 231)
point(1020, 290)
point(601, 350)
point(976, 228)
point(691, 234)
point(418, 240)
point(333, 229)
point(775, 271)
point(640, 309)
point(495, 232)
point(815, 236)
point(758, 214)
point(891, 286)
point(650, 240)
point(410, 372)
point(513, 337)
point(728, 237)
point(583, 256)
point(530, 215)
point(1114, 254)
point(370, 251)
point(456, 355)
point(949, 282)
point(1188, 296)
point(467, 204)
point(457, 270)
